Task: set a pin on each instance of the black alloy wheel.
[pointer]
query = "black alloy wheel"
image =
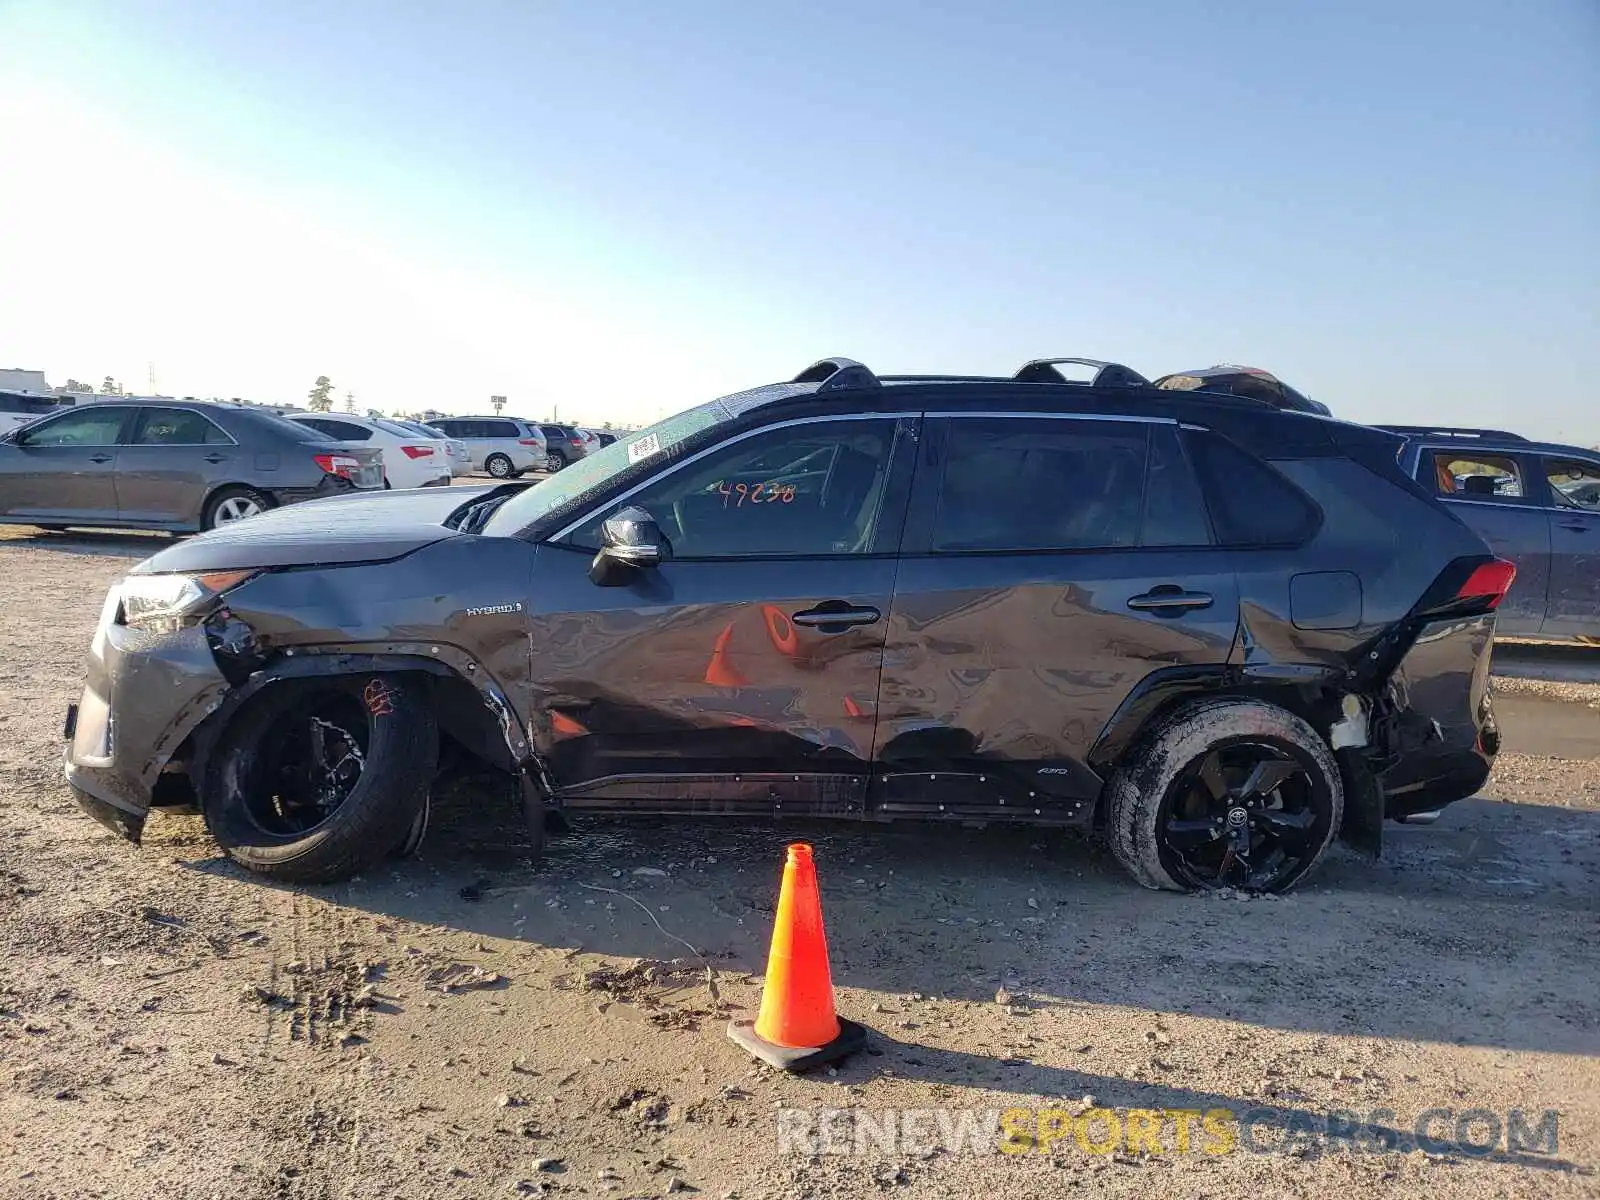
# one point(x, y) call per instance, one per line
point(309, 762)
point(1244, 814)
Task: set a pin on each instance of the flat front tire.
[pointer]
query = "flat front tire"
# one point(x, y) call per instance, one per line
point(1225, 793)
point(316, 779)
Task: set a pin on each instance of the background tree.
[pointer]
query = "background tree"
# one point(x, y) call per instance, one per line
point(110, 387)
point(73, 385)
point(497, 403)
point(321, 395)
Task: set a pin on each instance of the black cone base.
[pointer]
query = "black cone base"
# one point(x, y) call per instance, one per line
point(852, 1037)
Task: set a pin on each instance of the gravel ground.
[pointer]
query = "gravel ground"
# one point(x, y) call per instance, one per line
point(459, 1025)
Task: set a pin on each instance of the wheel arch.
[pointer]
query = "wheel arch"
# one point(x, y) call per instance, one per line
point(468, 705)
point(217, 488)
point(1312, 692)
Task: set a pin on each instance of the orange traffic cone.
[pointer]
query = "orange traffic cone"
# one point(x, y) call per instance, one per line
point(797, 1027)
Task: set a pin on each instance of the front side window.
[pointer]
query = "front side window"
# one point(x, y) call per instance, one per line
point(1026, 484)
point(1477, 476)
point(177, 427)
point(1574, 484)
point(812, 489)
point(92, 427)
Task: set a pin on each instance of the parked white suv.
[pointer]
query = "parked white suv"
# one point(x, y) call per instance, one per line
point(505, 447)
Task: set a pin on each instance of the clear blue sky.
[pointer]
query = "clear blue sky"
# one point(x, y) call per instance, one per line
point(622, 208)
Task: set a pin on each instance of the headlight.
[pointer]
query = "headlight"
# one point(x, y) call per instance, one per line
point(165, 603)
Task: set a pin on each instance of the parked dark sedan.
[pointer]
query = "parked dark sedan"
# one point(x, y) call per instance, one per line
point(1223, 632)
point(1535, 503)
point(175, 466)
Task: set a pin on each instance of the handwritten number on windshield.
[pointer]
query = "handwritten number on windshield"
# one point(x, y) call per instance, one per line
point(755, 493)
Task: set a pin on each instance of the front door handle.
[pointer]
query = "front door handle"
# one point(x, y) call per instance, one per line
point(1575, 526)
point(1169, 600)
point(99, 458)
point(836, 616)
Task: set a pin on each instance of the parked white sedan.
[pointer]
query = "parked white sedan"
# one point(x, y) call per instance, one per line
point(460, 456)
point(409, 459)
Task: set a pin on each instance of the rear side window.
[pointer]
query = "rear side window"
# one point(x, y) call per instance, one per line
point(1021, 484)
point(1477, 476)
point(1251, 504)
point(498, 429)
point(177, 427)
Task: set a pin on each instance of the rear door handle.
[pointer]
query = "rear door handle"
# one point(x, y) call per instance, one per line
point(216, 458)
point(1169, 600)
point(99, 458)
point(835, 616)
point(1575, 526)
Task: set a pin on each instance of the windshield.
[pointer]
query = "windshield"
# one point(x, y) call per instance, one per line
point(594, 469)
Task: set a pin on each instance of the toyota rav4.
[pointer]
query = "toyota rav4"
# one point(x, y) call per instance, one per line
point(1220, 632)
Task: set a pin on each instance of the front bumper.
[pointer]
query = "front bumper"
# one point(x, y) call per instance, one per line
point(143, 696)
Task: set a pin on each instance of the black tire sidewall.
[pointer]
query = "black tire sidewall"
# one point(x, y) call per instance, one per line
point(402, 750)
point(1140, 786)
point(488, 465)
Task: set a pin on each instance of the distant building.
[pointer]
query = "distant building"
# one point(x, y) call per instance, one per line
point(30, 382)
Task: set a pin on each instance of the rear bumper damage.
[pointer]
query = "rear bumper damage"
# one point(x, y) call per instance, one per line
point(1435, 723)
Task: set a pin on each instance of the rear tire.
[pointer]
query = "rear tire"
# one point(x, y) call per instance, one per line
point(315, 780)
point(554, 461)
point(231, 504)
point(1225, 793)
point(499, 466)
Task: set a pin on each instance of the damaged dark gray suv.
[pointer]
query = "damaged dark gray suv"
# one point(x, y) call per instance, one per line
point(1221, 632)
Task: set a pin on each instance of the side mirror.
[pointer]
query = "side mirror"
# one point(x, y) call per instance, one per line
point(629, 540)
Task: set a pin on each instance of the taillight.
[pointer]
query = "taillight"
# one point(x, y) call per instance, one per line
point(341, 465)
point(418, 451)
point(1489, 583)
point(529, 442)
point(1468, 587)
point(577, 441)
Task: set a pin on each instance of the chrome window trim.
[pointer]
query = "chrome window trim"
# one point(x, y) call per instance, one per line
point(1545, 508)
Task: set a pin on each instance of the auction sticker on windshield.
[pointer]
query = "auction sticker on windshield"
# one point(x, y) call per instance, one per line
point(644, 447)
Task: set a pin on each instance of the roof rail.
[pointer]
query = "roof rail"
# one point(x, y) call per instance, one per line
point(1502, 435)
point(1107, 374)
point(837, 374)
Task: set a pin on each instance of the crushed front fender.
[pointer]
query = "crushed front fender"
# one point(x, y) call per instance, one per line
point(143, 695)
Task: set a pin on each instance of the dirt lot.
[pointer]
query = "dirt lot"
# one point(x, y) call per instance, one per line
point(460, 1025)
